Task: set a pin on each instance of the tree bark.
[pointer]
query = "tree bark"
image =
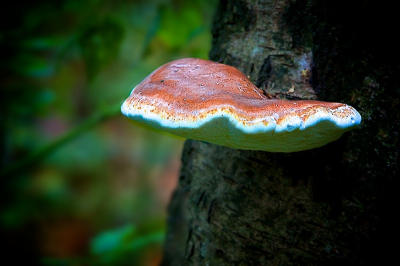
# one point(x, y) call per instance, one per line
point(326, 206)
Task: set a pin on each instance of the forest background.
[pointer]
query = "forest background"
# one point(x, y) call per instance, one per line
point(80, 185)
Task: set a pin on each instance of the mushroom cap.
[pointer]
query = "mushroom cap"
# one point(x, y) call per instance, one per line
point(203, 100)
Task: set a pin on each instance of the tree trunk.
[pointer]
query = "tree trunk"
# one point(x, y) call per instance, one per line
point(326, 206)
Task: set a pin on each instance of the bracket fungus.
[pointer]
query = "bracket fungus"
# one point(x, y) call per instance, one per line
point(203, 100)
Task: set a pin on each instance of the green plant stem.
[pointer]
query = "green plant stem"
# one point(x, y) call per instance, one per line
point(25, 163)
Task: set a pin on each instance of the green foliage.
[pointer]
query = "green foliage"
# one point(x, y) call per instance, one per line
point(66, 152)
point(114, 246)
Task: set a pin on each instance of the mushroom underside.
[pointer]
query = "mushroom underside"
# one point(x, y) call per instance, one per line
point(223, 129)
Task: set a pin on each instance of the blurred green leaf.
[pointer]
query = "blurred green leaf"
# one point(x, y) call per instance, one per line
point(39, 154)
point(112, 240)
point(111, 246)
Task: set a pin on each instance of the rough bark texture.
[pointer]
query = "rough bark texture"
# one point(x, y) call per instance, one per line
point(327, 206)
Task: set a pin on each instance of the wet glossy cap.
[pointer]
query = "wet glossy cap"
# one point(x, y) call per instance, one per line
point(203, 100)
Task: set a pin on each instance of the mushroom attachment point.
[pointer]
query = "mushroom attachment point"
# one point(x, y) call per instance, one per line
point(203, 100)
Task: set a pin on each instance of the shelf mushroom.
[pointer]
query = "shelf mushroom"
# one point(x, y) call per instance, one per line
point(203, 100)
